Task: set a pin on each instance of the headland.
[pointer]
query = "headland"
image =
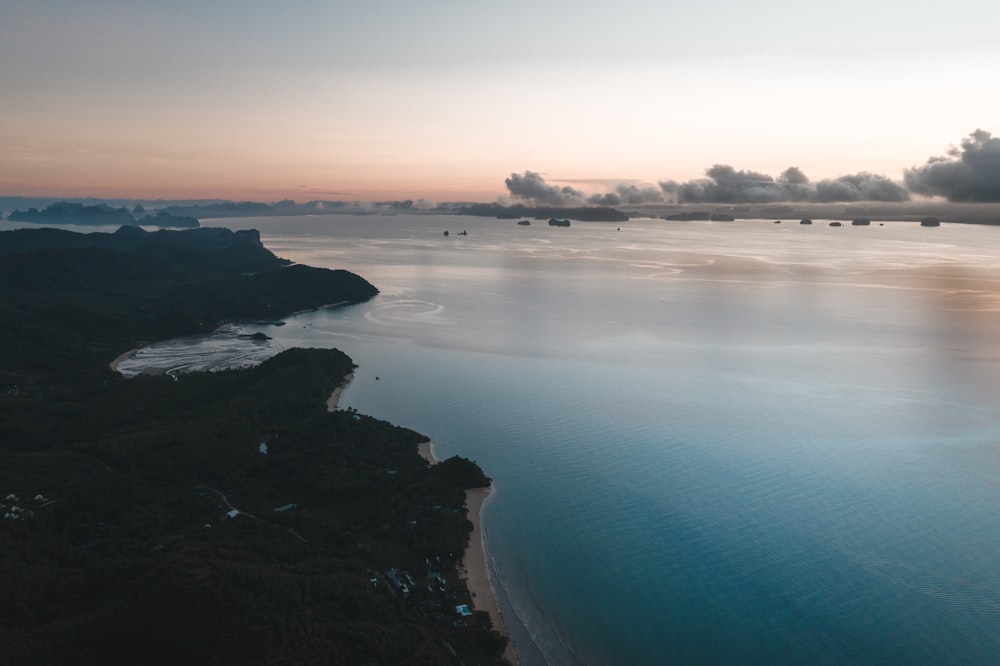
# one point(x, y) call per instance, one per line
point(127, 474)
point(474, 563)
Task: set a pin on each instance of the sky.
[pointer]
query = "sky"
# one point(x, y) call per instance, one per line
point(449, 99)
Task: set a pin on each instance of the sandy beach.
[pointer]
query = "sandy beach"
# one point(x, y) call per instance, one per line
point(334, 400)
point(424, 449)
point(474, 561)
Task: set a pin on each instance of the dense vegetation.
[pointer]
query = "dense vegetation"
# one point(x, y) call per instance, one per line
point(219, 518)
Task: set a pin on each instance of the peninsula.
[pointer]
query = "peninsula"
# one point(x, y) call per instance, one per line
point(222, 517)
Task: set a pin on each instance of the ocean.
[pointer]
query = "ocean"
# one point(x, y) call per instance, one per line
point(711, 443)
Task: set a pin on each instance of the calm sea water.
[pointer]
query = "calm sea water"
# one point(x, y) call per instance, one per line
point(712, 443)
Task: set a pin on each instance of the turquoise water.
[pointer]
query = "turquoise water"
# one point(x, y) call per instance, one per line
point(711, 443)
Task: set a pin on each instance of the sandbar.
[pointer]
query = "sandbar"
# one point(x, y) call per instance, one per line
point(121, 357)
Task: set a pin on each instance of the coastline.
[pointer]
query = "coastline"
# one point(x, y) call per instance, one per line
point(122, 357)
point(333, 402)
point(132, 353)
point(475, 570)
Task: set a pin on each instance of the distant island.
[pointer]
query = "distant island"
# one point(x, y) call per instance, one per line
point(63, 213)
point(694, 216)
point(228, 209)
point(224, 518)
point(185, 213)
point(582, 213)
point(285, 208)
point(910, 211)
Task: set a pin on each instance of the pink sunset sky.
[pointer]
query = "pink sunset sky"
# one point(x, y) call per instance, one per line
point(444, 100)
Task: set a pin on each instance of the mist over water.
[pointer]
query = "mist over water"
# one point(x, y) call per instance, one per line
point(711, 442)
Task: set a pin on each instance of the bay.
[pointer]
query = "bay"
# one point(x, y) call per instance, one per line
point(711, 442)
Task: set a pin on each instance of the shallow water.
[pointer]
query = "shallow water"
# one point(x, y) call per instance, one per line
point(711, 442)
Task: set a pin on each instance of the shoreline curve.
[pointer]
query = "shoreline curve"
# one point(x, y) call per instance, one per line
point(333, 402)
point(475, 570)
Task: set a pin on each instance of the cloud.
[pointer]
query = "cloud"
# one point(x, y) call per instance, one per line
point(860, 187)
point(606, 199)
point(970, 172)
point(793, 176)
point(628, 193)
point(795, 184)
point(531, 187)
point(724, 184)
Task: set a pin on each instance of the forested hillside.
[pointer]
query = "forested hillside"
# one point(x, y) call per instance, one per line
point(219, 518)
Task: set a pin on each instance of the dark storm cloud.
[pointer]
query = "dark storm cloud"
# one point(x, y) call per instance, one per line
point(969, 173)
point(724, 184)
point(531, 186)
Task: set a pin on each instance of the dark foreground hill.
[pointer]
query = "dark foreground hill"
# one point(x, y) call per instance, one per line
point(219, 518)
